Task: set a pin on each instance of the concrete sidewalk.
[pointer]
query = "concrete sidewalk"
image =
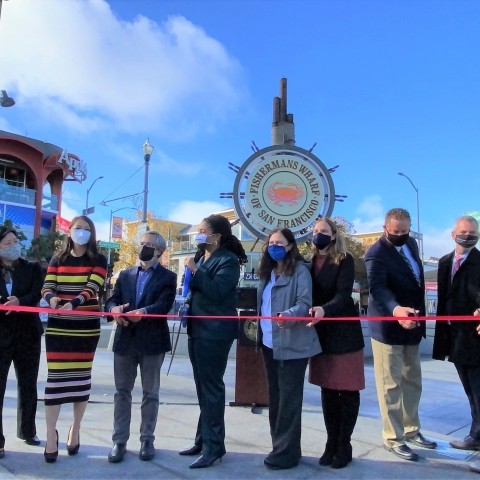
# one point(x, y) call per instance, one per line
point(444, 415)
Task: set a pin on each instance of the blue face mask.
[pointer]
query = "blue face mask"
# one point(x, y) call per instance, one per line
point(201, 239)
point(277, 252)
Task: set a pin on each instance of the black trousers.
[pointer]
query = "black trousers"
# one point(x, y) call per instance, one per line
point(24, 352)
point(470, 378)
point(285, 388)
point(209, 361)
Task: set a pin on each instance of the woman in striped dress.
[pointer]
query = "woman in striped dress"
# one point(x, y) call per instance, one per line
point(74, 277)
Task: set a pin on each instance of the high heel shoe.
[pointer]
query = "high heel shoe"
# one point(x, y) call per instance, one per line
point(205, 461)
point(73, 449)
point(51, 457)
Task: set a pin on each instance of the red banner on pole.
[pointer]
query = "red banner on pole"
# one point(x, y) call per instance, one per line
point(117, 227)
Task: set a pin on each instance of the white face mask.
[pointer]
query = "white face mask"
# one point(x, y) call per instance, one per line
point(12, 252)
point(80, 236)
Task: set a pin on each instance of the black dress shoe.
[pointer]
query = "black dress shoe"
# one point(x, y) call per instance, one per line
point(35, 441)
point(205, 461)
point(2, 452)
point(147, 450)
point(419, 440)
point(73, 449)
point(404, 452)
point(193, 450)
point(117, 453)
point(468, 443)
point(51, 457)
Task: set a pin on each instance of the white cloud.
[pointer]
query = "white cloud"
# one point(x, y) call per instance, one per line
point(193, 212)
point(371, 215)
point(437, 242)
point(83, 67)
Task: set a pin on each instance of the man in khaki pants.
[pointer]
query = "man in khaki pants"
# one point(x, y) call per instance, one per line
point(396, 281)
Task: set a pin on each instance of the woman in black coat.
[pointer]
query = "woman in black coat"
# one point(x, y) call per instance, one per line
point(213, 286)
point(339, 369)
point(20, 334)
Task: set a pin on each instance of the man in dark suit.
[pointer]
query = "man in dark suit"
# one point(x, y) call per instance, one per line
point(140, 341)
point(459, 294)
point(396, 282)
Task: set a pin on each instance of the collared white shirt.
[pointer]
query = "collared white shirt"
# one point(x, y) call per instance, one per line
point(266, 311)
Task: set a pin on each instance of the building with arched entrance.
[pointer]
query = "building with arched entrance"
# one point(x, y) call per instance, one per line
point(32, 173)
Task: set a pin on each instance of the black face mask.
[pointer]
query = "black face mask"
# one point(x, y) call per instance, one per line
point(466, 241)
point(320, 240)
point(397, 240)
point(146, 253)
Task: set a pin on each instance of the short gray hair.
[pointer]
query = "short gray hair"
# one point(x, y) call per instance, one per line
point(160, 242)
point(467, 218)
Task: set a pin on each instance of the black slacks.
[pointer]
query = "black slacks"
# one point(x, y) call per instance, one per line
point(24, 352)
point(470, 378)
point(285, 387)
point(209, 361)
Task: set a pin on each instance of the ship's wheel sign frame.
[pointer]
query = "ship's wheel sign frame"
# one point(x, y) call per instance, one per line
point(283, 186)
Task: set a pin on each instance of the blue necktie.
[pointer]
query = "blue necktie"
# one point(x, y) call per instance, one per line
point(409, 263)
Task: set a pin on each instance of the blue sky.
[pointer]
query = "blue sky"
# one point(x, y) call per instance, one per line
point(381, 86)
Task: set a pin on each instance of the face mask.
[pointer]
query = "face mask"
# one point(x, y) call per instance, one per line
point(466, 241)
point(397, 240)
point(320, 240)
point(201, 239)
point(146, 253)
point(12, 252)
point(277, 252)
point(80, 236)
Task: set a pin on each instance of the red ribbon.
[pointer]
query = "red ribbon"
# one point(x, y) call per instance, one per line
point(90, 313)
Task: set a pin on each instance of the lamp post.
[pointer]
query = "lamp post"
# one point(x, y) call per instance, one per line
point(86, 212)
point(420, 239)
point(147, 152)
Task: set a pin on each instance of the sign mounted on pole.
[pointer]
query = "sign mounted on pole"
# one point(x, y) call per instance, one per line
point(283, 186)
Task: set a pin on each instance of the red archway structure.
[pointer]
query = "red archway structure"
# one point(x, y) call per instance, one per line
point(27, 168)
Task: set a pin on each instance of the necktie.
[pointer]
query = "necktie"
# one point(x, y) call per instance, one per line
point(409, 263)
point(456, 264)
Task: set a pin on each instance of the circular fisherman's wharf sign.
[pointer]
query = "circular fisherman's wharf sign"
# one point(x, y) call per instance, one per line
point(282, 186)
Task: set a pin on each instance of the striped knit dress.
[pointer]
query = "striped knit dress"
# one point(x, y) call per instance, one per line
point(71, 340)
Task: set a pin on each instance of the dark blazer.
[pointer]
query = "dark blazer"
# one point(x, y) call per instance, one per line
point(460, 296)
point(213, 292)
point(27, 282)
point(149, 336)
point(332, 290)
point(393, 284)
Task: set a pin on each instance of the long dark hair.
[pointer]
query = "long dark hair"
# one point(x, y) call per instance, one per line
point(267, 264)
point(221, 225)
point(92, 250)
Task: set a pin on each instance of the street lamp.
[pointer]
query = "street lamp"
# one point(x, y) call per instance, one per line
point(420, 240)
point(147, 152)
point(5, 100)
point(86, 212)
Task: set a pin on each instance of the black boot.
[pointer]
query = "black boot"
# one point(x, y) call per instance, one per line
point(349, 407)
point(331, 416)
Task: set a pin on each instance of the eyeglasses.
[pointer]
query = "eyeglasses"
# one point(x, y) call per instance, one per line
point(148, 244)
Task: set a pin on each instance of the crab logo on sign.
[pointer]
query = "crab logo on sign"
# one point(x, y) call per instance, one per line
point(282, 187)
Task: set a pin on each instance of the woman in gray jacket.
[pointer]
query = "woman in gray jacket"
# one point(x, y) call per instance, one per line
point(285, 291)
